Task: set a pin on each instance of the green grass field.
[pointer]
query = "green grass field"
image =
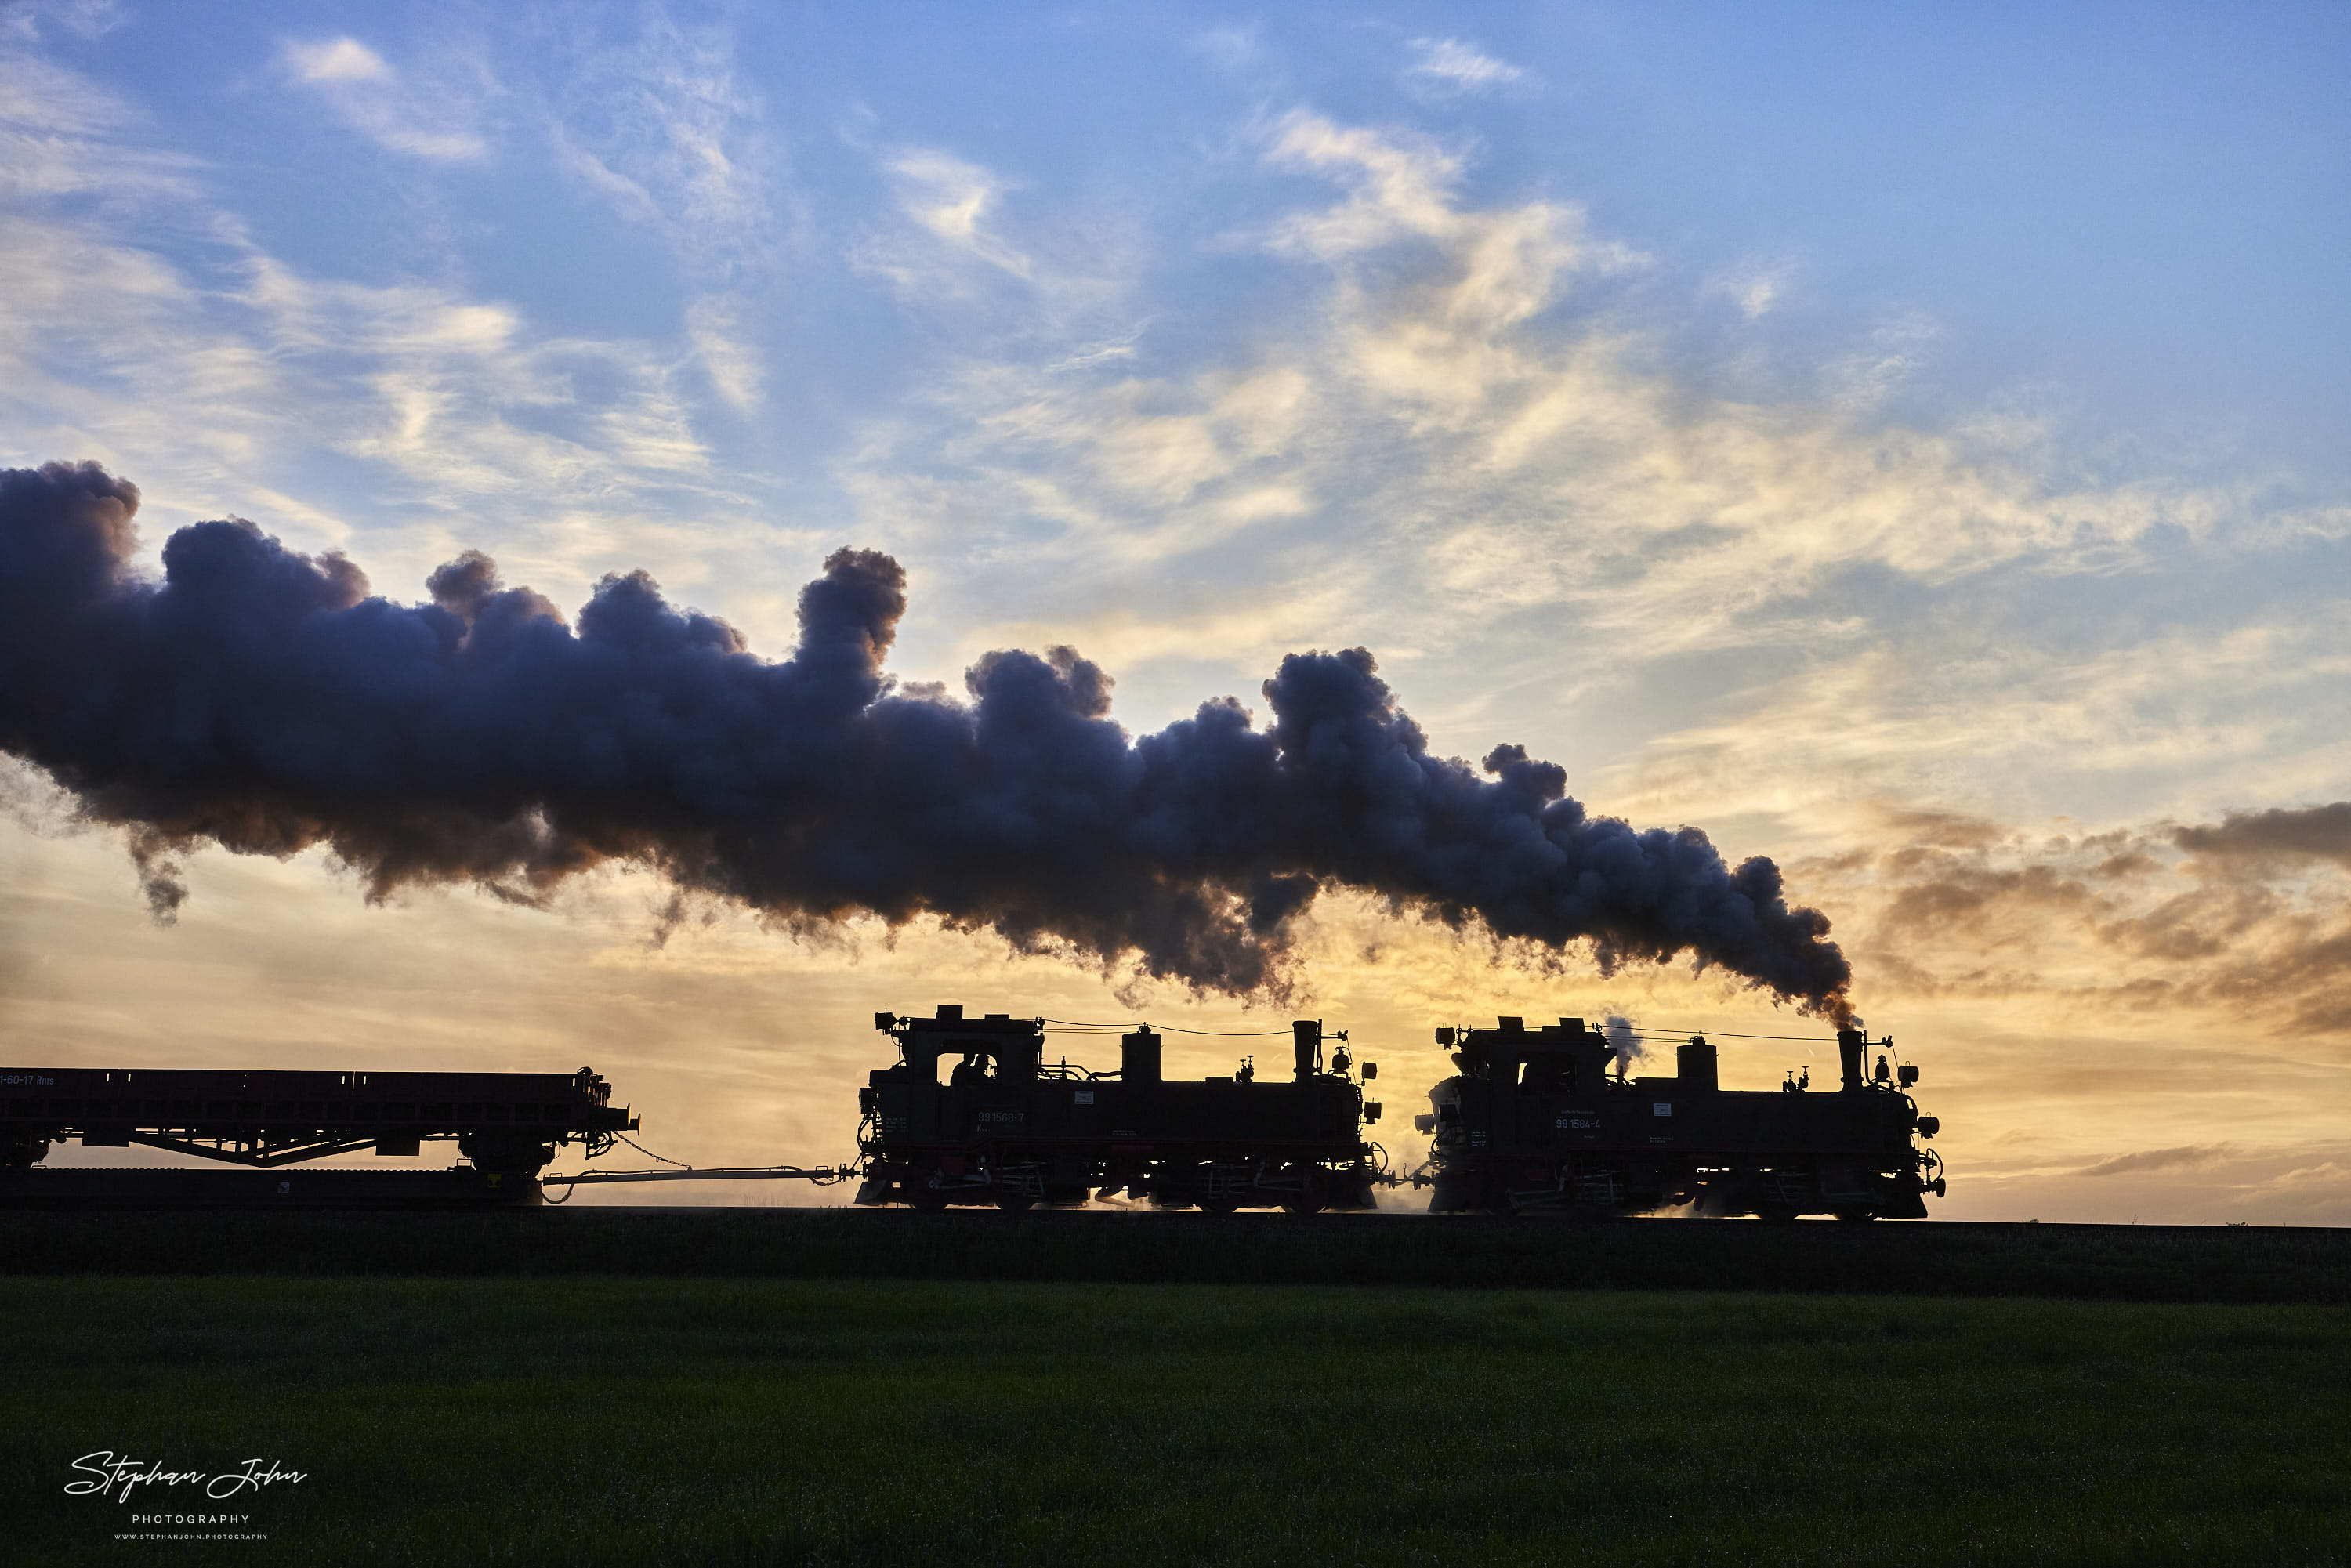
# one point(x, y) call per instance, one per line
point(2104, 1263)
point(593, 1420)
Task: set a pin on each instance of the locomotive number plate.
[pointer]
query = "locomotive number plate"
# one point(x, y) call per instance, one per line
point(1083, 1097)
point(1004, 1118)
point(1580, 1124)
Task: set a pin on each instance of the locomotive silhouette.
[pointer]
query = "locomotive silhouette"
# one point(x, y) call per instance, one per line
point(1532, 1121)
point(1009, 1129)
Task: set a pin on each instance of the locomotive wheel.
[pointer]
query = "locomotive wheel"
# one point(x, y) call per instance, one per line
point(1775, 1213)
point(1857, 1216)
point(927, 1197)
point(1220, 1205)
point(1014, 1202)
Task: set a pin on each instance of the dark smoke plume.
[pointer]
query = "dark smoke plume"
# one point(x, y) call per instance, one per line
point(263, 700)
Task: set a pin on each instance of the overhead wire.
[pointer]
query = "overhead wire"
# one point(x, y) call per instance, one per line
point(1638, 1030)
point(1727, 1034)
point(1161, 1029)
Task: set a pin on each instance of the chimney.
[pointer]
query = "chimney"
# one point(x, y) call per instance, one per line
point(1852, 1049)
point(1138, 1056)
point(1695, 1066)
point(1307, 1034)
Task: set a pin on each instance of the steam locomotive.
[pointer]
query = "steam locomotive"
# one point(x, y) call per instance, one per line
point(1009, 1129)
point(1534, 1120)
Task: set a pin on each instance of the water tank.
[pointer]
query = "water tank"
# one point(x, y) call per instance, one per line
point(1695, 1066)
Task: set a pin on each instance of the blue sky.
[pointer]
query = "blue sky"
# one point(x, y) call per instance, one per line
point(1907, 443)
point(2134, 208)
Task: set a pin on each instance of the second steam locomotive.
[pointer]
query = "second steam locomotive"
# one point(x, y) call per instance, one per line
point(1533, 1119)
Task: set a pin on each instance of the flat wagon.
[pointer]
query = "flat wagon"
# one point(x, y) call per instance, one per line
point(507, 1123)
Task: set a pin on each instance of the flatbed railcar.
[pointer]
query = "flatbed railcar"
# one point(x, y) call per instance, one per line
point(509, 1124)
point(1534, 1121)
point(1007, 1129)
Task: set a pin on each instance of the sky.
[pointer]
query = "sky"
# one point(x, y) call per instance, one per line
point(1910, 444)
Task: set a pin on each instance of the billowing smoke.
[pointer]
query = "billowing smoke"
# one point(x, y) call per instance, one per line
point(1622, 1039)
point(261, 699)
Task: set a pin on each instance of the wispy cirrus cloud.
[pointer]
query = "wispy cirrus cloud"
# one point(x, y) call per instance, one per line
point(375, 99)
point(60, 134)
point(718, 326)
point(1481, 434)
point(1451, 66)
point(27, 20)
point(461, 397)
point(1754, 286)
point(208, 372)
point(666, 131)
point(946, 241)
point(666, 128)
point(953, 201)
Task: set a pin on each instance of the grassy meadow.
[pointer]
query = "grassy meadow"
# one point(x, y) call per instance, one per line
point(595, 1419)
point(2180, 1263)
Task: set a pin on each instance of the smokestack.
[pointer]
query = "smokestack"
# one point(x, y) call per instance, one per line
point(1306, 1040)
point(1852, 1049)
point(1138, 1056)
point(262, 700)
point(1695, 1066)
